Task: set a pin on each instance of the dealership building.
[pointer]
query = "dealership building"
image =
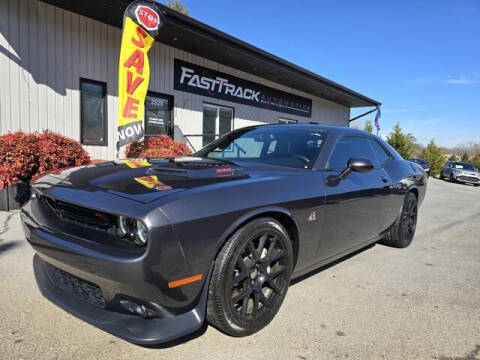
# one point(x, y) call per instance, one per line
point(59, 71)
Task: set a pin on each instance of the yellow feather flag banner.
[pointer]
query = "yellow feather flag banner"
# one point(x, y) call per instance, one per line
point(141, 23)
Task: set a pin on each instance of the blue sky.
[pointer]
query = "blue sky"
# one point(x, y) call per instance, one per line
point(421, 59)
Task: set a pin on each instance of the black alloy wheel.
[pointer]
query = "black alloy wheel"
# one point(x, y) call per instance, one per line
point(401, 233)
point(258, 276)
point(409, 221)
point(251, 277)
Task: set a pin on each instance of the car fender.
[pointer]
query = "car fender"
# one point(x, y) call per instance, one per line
point(247, 217)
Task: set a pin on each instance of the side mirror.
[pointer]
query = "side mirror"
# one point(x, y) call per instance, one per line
point(353, 164)
point(360, 165)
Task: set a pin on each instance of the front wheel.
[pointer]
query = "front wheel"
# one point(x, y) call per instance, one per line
point(403, 230)
point(250, 278)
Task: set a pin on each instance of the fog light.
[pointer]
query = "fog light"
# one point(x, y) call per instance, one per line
point(138, 309)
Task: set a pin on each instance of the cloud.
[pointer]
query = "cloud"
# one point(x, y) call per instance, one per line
point(461, 80)
point(471, 78)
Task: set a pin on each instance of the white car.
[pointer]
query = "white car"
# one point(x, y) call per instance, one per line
point(460, 172)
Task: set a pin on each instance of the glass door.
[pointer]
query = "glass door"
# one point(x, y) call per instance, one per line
point(158, 117)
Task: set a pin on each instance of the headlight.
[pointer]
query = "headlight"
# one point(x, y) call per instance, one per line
point(141, 234)
point(133, 230)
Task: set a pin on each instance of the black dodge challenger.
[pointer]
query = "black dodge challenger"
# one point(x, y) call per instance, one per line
point(148, 249)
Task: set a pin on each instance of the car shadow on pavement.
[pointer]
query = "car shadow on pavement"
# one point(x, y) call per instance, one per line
point(329, 265)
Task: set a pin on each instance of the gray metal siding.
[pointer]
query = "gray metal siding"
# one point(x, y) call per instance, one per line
point(44, 51)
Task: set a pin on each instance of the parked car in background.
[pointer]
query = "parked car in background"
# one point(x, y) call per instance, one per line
point(463, 172)
point(150, 249)
point(423, 163)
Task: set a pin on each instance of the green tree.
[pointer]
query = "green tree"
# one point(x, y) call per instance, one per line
point(476, 160)
point(368, 126)
point(401, 142)
point(177, 6)
point(465, 157)
point(452, 158)
point(435, 157)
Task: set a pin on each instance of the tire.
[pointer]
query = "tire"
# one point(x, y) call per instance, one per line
point(451, 178)
point(402, 231)
point(441, 176)
point(250, 278)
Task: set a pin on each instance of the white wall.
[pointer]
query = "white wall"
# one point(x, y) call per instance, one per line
point(45, 50)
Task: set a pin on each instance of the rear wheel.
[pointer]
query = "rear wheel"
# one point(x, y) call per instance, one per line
point(403, 230)
point(250, 278)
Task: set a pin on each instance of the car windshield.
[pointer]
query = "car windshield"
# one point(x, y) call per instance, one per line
point(275, 145)
point(464, 166)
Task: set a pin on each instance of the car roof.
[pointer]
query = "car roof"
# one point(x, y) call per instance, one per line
point(461, 162)
point(330, 128)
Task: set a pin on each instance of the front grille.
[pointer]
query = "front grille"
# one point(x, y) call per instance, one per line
point(80, 215)
point(79, 288)
point(468, 178)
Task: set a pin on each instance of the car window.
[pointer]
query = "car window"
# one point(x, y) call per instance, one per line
point(350, 147)
point(282, 145)
point(381, 155)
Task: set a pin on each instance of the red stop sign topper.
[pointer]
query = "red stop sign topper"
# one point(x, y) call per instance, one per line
point(147, 17)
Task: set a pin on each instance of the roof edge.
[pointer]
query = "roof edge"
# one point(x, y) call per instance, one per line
point(179, 18)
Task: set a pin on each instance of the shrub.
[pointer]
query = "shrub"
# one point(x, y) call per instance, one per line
point(26, 156)
point(156, 147)
point(57, 151)
point(18, 158)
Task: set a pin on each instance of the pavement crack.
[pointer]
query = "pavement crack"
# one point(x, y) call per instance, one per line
point(4, 227)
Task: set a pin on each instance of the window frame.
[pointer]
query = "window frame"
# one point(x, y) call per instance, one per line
point(390, 157)
point(105, 113)
point(367, 138)
point(217, 119)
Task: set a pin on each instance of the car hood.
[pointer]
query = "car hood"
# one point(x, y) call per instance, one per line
point(147, 180)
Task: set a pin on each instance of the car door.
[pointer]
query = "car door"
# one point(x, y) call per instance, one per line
point(355, 206)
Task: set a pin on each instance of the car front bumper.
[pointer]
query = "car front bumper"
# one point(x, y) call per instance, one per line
point(132, 328)
point(467, 179)
point(106, 286)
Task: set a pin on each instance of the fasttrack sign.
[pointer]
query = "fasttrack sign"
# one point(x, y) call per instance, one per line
point(203, 81)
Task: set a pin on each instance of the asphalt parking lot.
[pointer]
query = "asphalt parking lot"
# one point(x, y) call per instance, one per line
point(420, 302)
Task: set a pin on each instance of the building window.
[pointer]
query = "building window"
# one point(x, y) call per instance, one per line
point(287, 121)
point(217, 121)
point(93, 112)
point(158, 117)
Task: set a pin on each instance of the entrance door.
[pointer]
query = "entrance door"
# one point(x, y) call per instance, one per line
point(158, 114)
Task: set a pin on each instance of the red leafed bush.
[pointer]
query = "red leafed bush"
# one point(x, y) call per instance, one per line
point(18, 158)
point(57, 151)
point(156, 147)
point(25, 156)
